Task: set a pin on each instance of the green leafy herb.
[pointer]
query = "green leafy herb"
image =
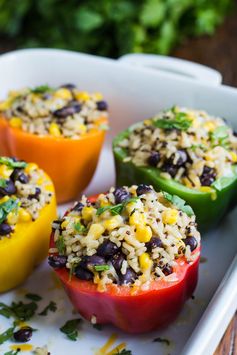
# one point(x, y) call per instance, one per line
point(6, 207)
point(19, 310)
point(52, 306)
point(97, 326)
point(179, 203)
point(7, 334)
point(116, 209)
point(124, 352)
point(42, 89)
point(33, 297)
point(101, 267)
point(13, 352)
point(196, 146)
point(180, 122)
point(162, 340)
point(220, 137)
point(79, 227)
point(11, 163)
point(70, 328)
point(3, 183)
point(222, 182)
point(60, 244)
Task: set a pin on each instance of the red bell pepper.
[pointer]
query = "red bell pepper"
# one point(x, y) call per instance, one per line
point(133, 309)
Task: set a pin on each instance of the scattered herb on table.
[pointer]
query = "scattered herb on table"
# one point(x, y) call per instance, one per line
point(162, 340)
point(124, 352)
point(13, 352)
point(7, 334)
point(70, 328)
point(97, 326)
point(179, 203)
point(52, 307)
point(20, 311)
point(33, 297)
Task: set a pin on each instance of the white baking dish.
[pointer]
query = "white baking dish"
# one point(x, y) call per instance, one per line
point(135, 93)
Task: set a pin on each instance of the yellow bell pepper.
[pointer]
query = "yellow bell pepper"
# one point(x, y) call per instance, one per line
point(26, 247)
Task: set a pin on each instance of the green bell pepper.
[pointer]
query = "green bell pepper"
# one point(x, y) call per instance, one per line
point(209, 207)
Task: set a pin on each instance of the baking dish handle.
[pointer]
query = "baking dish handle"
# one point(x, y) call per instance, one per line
point(174, 66)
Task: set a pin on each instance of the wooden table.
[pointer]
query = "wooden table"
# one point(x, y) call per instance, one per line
point(219, 52)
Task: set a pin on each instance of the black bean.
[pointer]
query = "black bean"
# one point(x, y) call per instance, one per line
point(102, 105)
point(107, 249)
point(143, 189)
point(23, 335)
point(23, 178)
point(183, 157)
point(235, 133)
point(83, 274)
point(155, 242)
point(78, 207)
point(36, 194)
point(154, 159)
point(68, 86)
point(67, 111)
point(192, 242)
point(117, 261)
point(121, 195)
point(129, 277)
point(10, 188)
point(167, 269)
point(208, 176)
point(17, 174)
point(88, 262)
point(5, 229)
point(57, 261)
point(170, 168)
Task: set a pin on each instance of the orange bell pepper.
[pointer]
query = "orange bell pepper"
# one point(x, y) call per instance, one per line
point(69, 162)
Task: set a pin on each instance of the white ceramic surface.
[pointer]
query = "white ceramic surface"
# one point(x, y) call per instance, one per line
point(134, 93)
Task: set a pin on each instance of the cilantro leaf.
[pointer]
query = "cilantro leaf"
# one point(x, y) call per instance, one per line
point(6, 207)
point(3, 183)
point(42, 89)
point(13, 352)
point(7, 334)
point(60, 244)
point(179, 203)
point(24, 311)
point(124, 352)
point(162, 340)
point(52, 306)
point(97, 326)
point(11, 163)
point(219, 137)
point(180, 122)
point(70, 328)
point(33, 297)
point(116, 209)
point(101, 267)
point(79, 227)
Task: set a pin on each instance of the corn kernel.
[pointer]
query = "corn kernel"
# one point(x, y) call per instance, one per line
point(65, 223)
point(170, 216)
point(208, 157)
point(5, 171)
point(54, 130)
point(113, 222)
point(30, 167)
point(143, 234)
point(5, 105)
point(96, 230)
point(104, 203)
point(63, 93)
point(4, 199)
point(98, 96)
point(81, 127)
point(210, 126)
point(12, 218)
point(16, 122)
point(87, 213)
point(209, 190)
point(24, 216)
point(147, 122)
point(145, 261)
point(40, 181)
point(137, 218)
point(233, 157)
point(187, 182)
point(82, 96)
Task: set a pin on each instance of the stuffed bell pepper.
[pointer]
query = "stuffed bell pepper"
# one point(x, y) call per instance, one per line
point(128, 257)
point(27, 209)
point(61, 129)
point(184, 152)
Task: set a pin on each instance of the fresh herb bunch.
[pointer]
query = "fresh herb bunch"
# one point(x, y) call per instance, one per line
point(153, 26)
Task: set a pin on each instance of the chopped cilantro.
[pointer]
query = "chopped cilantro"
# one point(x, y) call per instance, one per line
point(3, 183)
point(196, 146)
point(101, 267)
point(162, 340)
point(60, 244)
point(13, 352)
point(97, 326)
point(180, 122)
point(79, 227)
point(70, 328)
point(116, 209)
point(6, 207)
point(33, 297)
point(179, 203)
point(42, 89)
point(11, 163)
point(7, 334)
point(219, 137)
point(52, 306)
point(20, 310)
point(124, 352)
